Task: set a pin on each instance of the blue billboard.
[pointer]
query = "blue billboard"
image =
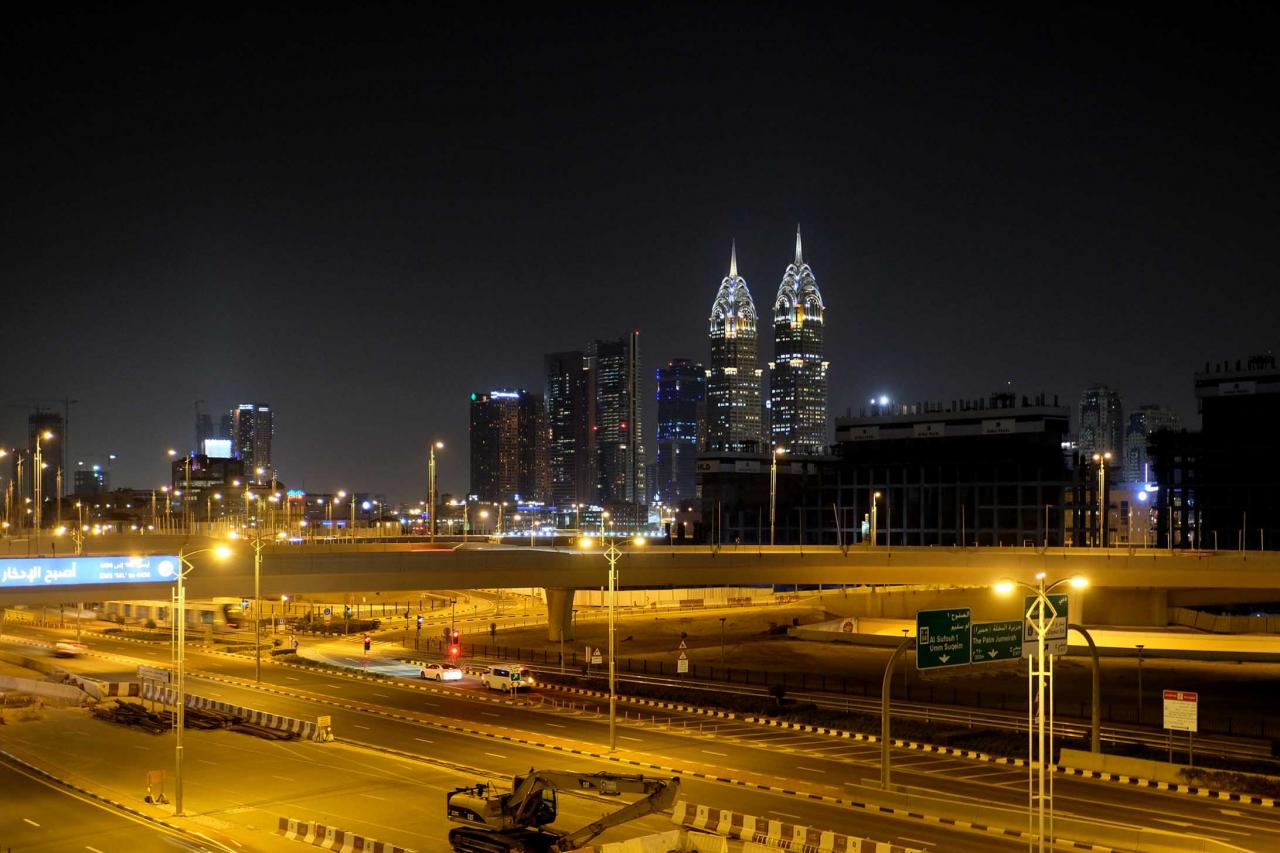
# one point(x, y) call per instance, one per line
point(34, 572)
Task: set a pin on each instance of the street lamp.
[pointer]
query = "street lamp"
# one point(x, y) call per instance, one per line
point(431, 485)
point(208, 508)
point(1102, 459)
point(773, 488)
point(1041, 672)
point(613, 555)
point(875, 497)
point(258, 542)
point(37, 478)
point(186, 523)
point(185, 566)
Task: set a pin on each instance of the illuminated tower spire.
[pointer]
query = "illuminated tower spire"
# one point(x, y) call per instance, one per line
point(733, 380)
point(798, 372)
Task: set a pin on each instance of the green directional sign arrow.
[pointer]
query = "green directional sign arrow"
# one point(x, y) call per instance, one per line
point(993, 641)
point(942, 638)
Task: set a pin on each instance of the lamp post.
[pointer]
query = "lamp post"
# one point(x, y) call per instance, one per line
point(613, 555)
point(185, 566)
point(1041, 672)
point(773, 488)
point(186, 487)
point(258, 542)
point(1102, 459)
point(431, 485)
point(875, 497)
point(37, 476)
point(208, 508)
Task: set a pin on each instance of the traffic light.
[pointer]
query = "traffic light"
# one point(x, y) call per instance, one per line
point(419, 621)
point(454, 651)
point(455, 637)
point(346, 610)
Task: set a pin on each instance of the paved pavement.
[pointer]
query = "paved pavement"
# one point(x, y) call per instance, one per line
point(408, 717)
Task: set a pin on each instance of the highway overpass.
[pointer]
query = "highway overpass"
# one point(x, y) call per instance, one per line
point(1126, 586)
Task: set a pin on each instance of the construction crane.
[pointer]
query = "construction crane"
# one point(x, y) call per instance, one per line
point(515, 822)
point(38, 405)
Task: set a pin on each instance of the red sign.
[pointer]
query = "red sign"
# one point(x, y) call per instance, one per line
point(1181, 696)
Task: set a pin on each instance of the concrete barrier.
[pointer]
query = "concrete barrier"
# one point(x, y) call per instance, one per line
point(303, 728)
point(1119, 765)
point(776, 834)
point(332, 838)
point(61, 693)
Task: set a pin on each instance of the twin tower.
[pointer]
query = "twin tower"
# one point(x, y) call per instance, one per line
point(797, 408)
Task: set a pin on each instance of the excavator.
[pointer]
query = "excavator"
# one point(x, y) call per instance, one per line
point(515, 821)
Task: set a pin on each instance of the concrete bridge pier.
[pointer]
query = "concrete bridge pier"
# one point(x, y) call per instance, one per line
point(559, 614)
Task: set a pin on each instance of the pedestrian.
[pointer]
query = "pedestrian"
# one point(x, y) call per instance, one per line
point(293, 642)
point(367, 642)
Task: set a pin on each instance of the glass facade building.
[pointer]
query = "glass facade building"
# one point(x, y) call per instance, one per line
point(682, 391)
point(733, 380)
point(252, 429)
point(618, 428)
point(508, 437)
point(570, 410)
point(798, 373)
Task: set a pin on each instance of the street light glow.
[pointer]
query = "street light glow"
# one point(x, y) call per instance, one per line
point(1004, 587)
point(584, 542)
point(1079, 582)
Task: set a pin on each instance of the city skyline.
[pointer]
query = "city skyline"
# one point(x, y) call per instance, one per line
point(973, 226)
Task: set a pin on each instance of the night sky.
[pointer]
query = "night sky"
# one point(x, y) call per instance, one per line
point(361, 218)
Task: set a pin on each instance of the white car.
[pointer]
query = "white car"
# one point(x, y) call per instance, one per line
point(442, 672)
point(69, 648)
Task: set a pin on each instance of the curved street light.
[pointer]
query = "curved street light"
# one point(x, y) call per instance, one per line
point(613, 554)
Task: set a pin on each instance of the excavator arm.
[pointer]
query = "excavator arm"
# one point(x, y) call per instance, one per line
point(661, 795)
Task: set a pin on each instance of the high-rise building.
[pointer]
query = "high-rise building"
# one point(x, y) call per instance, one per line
point(251, 431)
point(1142, 423)
point(798, 372)
point(91, 481)
point(733, 380)
point(619, 432)
point(1101, 427)
point(508, 447)
point(44, 423)
point(682, 391)
point(570, 408)
point(204, 428)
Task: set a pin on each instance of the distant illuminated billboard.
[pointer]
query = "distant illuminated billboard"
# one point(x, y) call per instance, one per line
point(35, 572)
point(217, 448)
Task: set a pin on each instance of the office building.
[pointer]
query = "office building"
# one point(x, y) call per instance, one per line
point(734, 376)
point(988, 472)
point(1101, 423)
point(251, 432)
point(95, 480)
point(1142, 423)
point(1220, 488)
point(508, 447)
point(570, 412)
point(798, 372)
point(682, 391)
point(618, 427)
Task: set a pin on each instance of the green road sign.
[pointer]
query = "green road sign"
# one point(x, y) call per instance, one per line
point(1056, 637)
point(942, 638)
point(994, 641)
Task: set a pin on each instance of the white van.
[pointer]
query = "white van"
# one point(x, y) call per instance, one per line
point(507, 677)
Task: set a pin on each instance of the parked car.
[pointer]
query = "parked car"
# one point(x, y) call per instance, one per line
point(69, 648)
point(507, 678)
point(442, 672)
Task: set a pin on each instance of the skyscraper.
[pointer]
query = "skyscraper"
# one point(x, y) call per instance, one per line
point(251, 431)
point(619, 433)
point(1142, 423)
point(798, 372)
point(682, 391)
point(733, 381)
point(508, 446)
point(1101, 427)
point(41, 422)
point(570, 410)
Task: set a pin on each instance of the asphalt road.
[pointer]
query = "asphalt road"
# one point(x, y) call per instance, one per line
point(765, 756)
point(37, 816)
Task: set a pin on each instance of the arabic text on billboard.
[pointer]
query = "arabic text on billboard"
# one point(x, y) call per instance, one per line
point(24, 573)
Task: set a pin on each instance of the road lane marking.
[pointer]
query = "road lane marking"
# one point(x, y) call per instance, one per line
point(424, 740)
point(786, 814)
point(810, 769)
point(285, 778)
point(721, 754)
point(92, 849)
point(917, 841)
point(557, 725)
point(30, 821)
point(494, 755)
point(366, 728)
point(624, 737)
point(487, 714)
point(372, 797)
point(291, 678)
point(206, 761)
point(383, 695)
